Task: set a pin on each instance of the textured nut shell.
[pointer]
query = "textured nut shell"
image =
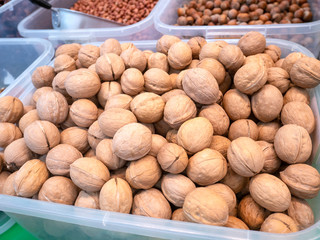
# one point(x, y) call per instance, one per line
point(267, 60)
point(273, 51)
point(301, 212)
point(107, 90)
point(112, 119)
point(64, 62)
point(252, 43)
point(172, 93)
point(279, 63)
point(220, 144)
point(88, 55)
point(143, 173)
point(178, 215)
point(158, 60)
point(270, 192)
point(132, 81)
point(109, 67)
point(76, 137)
point(132, 141)
point(87, 200)
point(236, 104)
point(172, 158)
point(119, 173)
point(165, 42)
point(207, 167)
point(58, 189)
point(119, 101)
point(69, 49)
point(11, 109)
point(157, 81)
point(27, 119)
point(116, 196)
point(200, 85)
point(195, 134)
point(134, 58)
point(293, 144)
point(82, 83)
point(58, 83)
point(151, 203)
point(147, 107)
point(251, 77)
point(30, 177)
point(8, 186)
point(89, 174)
point(291, 59)
point(245, 156)
point(175, 188)
point(95, 135)
point(298, 113)
point(251, 213)
point(267, 131)
point(179, 55)
point(83, 112)
point(43, 76)
point(279, 78)
point(171, 136)
point(162, 127)
point(53, 107)
point(38, 93)
point(305, 72)
point(267, 103)
point(179, 78)
point(157, 142)
point(16, 154)
point(212, 50)
point(217, 117)
point(243, 128)
point(110, 45)
point(231, 57)
point(234, 222)
point(8, 133)
point(147, 53)
point(303, 180)
point(106, 155)
point(227, 194)
point(214, 67)
point(179, 109)
point(279, 223)
point(60, 158)
point(296, 94)
point(271, 160)
point(203, 205)
point(196, 43)
point(3, 177)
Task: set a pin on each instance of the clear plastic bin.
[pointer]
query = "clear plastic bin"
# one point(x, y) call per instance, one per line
point(18, 59)
point(56, 221)
point(306, 34)
point(11, 14)
point(39, 25)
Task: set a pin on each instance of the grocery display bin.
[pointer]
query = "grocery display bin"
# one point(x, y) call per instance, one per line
point(48, 220)
point(306, 34)
point(18, 58)
point(38, 24)
point(11, 14)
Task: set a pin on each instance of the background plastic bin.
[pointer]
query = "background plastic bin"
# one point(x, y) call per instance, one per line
point(306, 34)
point(39, 25)
point(48, 220)
point(18, 58)
point(11, 14)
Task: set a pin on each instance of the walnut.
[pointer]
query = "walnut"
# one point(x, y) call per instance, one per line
point(105, 154)
point(267, 131)
point(231, 57)
point(95, 135)
point(58, 83)
point(64, 62)
point(110, 45)
point(196, 43)
point(265, 58)
point(252, 43)
point(273, 51)
point(134, 58)
point(301, 212)
point(107, 90)
point(172, 93)
point(279, 78)
point(279, 223)
point(234, 180)
point(38, 93)
point(290, 60)
point(234, 222)
point(157, 81)
point(109, 67)
point(87, 200)
point(43, 76)
point(8, 133)
point(119, 101)
point(165, 42)
point(220, 144)
point(236, 104)
point(69, 49)
point(211, 50)
point(88, 55)
point(243, 128)
point(178, 215)
point(8, 186)
point(76, 137)
point(296, 94)
point(214, 67)
point(132, 81)
point(83, 112)
point(271, 160)
point(157, 142)
point(179, 55)
point(11, 109)
point(158, 60)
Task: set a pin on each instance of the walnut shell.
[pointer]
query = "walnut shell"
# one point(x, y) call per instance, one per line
point(58, 189)
point(107, 90)
point(293, 144)
point(212, 50)
point(201, 86)
point(69, 49)
point(88, 55)
point(267, 103)
point(158, 60)
point(245, 156)
point(76, 137)
point(265, 58)
point(8, 186)
point(301, 212)
point(304, 72)
point(30, 177)
point(38, 93)
point(252, 43)
point(151, 203)
point(111, 120)
point(178, 215)
point(89, 174)
point(290, 60)
point(64, 62)
point(134, 58)
point(296, 94)
point(204, 205)
point(132, 141)
point(95, 135)
point(8, 133)
point(165, 42)
point(157, 142)
point(214, 67)
point(179, 55)
point(83, 112)
point(298, 113)
point(82, 83)
point(53, 107)
point(196, 43)
point(236, 104)
point(231, 57)
point(59, 159)
point(273, 51)
point(87, 200)
point(132, 81)
point(220, 144)
point(3, 177)
point(58, 83)
point(172, 158)
point(279, 78)
point(105, 154)
point(303, 180)
point(157, 81)
point(279, 223)
point(116, 196)
point(179, 109)
point(243, 128)
point(109, 67)
point(267, 131)
point(43, 76)
point(234, 180)
point(119, 101)
point(270, 192)
point(171, 136)
point(172, 93)
point(110, 45)
point(11, 109)
point(207, 167)
point(271, 160)
point(41, 136)
point(162, 127)
point(195, 134)
point(234, 222)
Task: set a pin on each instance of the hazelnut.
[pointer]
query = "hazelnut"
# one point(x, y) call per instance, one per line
point(107, 90)
point(165, 42)
point(76, 137)
point(83, 112)
point(132, 81)
point(252, 43)
point(243, 128)
point(105, 154)
point(43, 76)
point(9, 133)
point(110, 45)
point(157, 81)
point(158, 60)
point(11, 109)
point(279, 223)
point(88, 55)
point(64, 62)
point(134, 58)
point(87, 200)
point(109, 67)
point(179, 55)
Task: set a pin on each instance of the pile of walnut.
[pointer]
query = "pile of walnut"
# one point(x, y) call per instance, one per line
point(222, 140)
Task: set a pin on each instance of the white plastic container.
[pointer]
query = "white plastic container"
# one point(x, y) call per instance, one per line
point(56, 221)
point(306, 34)
point(18, 59)
point(38, 24)
point(11, 14)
